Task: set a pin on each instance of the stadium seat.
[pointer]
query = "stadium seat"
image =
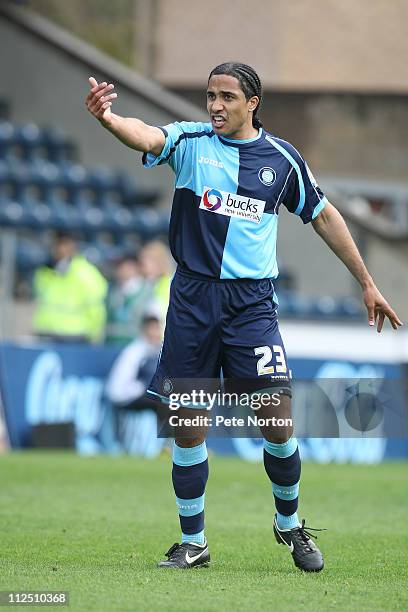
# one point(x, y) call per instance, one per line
point(101, 179)
point(13, 214)
point(352, 307)
point(149, 222)
point(133, 194)
point(29, 141)
point(110, 201)
point(17, 177)
point(131, 243)
point(6, 138)
point(59, 147)
point(31, 254)
point(291, 304)
point(326, 306)
point(119, 220)
point(101, 253)
point(45, 175)
point(73, 179)
point(38, 214)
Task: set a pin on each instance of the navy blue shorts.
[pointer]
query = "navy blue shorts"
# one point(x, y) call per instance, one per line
point(221, 324)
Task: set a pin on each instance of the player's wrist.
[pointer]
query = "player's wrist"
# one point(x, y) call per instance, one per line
point(366, 283)
point(109, 122)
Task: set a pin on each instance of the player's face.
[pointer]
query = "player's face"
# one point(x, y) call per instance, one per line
point(230, 112)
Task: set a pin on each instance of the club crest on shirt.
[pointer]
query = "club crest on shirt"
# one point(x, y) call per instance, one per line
point(167, 386)
point(267, 176)
point(232, 205)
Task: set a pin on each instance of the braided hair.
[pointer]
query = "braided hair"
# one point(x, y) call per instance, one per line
point(249, 81)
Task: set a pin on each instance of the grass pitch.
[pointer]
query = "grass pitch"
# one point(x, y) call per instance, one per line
point(96, 527)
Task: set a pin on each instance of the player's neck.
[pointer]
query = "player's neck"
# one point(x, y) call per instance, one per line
point(245, 133)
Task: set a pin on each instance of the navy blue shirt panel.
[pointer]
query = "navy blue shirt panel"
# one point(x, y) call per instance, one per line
point(227, 196)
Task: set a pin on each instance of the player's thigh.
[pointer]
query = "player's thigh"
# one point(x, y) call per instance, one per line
point(257, 358)
point(256, 364)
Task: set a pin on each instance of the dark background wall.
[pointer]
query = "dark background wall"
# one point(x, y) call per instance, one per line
point(45, 85)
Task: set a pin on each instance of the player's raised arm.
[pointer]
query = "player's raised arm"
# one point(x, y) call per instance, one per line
point(132, 132)
point(330, 226)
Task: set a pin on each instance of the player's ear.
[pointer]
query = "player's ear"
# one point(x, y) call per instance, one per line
point(253, 103)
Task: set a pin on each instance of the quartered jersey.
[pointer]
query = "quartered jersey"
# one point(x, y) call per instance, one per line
point(224, 217)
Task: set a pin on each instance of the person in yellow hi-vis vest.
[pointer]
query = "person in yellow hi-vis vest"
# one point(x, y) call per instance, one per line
point(69, 296)
point(156, 266)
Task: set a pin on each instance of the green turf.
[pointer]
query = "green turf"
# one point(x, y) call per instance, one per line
point(96, 527)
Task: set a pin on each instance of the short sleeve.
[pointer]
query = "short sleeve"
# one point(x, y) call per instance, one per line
point(303, 195)
point(177, 136)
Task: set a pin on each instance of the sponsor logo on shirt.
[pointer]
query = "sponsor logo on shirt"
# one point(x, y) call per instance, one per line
point(212, 199)
point(210, 162)
point(232, 205)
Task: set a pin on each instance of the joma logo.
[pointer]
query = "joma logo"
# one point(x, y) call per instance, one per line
point(211, 162)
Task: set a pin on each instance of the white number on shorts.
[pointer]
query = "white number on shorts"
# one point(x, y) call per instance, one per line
point(266, 358)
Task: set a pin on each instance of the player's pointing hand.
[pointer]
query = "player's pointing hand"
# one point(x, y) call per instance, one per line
point(378, 308)
point(99, 100)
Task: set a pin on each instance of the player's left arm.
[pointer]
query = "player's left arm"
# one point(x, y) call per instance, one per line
point(330, 226)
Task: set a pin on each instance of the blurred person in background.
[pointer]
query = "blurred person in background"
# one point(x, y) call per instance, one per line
point(134, 412)
point(128, 297)
point(69, 295)
point(133, 369)
point(156, 267)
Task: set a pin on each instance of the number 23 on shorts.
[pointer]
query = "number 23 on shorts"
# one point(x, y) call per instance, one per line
point(267, 355)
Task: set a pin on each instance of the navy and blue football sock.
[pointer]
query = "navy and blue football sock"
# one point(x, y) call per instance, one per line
point(190, 475)
point(282, 464)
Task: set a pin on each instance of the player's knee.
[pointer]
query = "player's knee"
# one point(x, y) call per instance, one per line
point(189, 442)
point(278, 435)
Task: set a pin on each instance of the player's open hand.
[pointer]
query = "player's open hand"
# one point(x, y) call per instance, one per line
point(378, 308)
point(99, 100)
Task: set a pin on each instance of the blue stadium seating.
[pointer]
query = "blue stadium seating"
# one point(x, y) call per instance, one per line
point(13, 214)
point(291, 304)
point(59, 148)
point(42, 186)
point(31, 254)
point(29, 141)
